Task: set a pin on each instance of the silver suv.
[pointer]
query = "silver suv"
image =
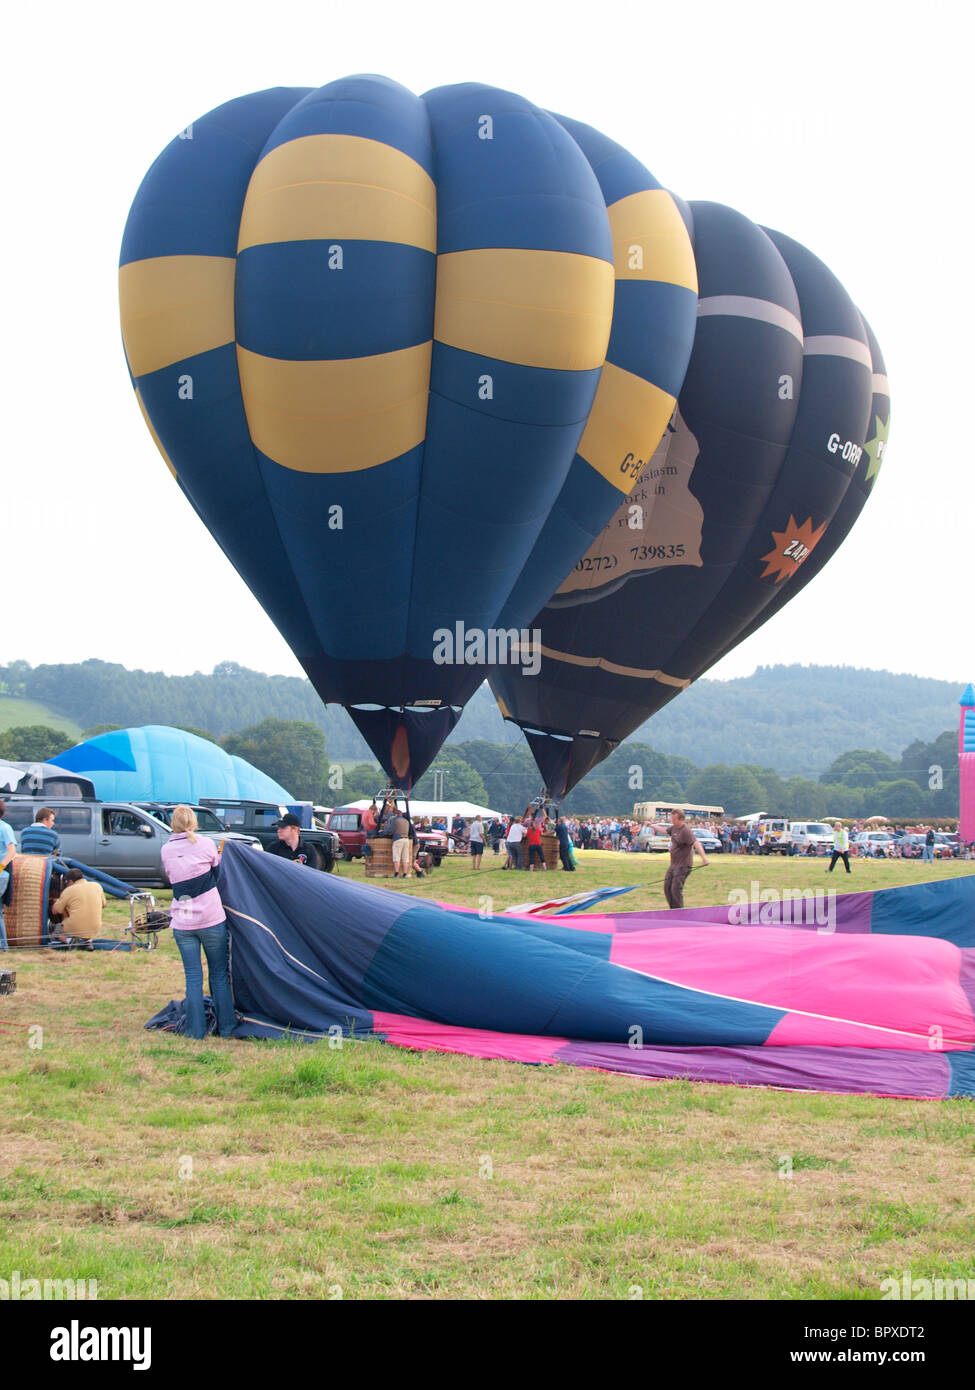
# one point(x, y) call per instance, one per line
point(119, 837)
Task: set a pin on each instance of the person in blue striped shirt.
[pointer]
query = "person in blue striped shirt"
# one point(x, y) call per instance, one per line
point(41, 837)
point(8, 847)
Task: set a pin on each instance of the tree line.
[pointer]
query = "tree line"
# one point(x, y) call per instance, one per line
point(922, 783)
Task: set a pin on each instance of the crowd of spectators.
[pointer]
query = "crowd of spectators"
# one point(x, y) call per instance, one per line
point(867, 839)
point(524, 832)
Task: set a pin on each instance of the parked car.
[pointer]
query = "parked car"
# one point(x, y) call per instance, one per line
point(43, 779)
point(653, 839)
point(874, 843)
point(708, 841)
point(345, 823)
point(912, 846)
point(260, 818)
point(119, 837)
point(207, 824)
point(810, 837)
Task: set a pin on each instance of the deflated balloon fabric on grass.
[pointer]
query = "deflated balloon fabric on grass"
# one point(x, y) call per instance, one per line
point(880, 1001)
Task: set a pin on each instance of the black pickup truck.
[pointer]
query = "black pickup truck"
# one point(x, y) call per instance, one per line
point(259, 818)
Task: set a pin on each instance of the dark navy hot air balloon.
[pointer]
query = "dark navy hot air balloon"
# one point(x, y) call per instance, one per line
point(394, 350)
point(854, 499)
point(766, 455)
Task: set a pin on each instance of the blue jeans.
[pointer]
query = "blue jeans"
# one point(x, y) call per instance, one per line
point(928, 856)
point(4, 880)
point(216, 947)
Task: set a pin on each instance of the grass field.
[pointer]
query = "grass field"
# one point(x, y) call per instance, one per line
point(167, 1168)
point(16, 713)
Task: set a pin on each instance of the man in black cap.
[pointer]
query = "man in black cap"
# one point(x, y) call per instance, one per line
point(290, 845)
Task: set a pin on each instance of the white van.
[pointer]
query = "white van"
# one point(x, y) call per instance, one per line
point(810, 836)
point(774, 837)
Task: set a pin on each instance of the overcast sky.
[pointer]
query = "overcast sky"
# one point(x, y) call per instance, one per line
point(846, 125)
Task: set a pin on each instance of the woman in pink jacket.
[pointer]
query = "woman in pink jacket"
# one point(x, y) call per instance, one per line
point(197, 915)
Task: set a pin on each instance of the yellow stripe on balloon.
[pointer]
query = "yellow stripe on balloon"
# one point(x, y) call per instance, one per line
point(173, 307)
point(336, 416)
point(627, 419)
point(603, 664)
point(155, 437)
point(535, 308)
point(650, 241)
point(335, 187)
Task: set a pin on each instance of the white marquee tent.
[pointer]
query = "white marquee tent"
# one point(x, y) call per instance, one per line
point(430, 809)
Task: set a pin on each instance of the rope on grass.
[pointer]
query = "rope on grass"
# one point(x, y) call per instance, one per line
point(10, 1025)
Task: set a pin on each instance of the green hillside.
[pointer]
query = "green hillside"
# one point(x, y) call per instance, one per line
point(17, 713)
point(794, 719)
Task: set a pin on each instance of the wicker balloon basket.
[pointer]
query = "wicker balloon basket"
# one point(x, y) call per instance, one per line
point(550, 849)
point(28, 915)
point(379, 864)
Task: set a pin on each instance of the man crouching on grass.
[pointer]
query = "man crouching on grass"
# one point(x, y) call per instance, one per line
point(683, 846)
point(80, 909)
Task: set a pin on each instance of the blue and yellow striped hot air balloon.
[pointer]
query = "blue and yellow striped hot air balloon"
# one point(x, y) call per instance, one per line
point(390, 347)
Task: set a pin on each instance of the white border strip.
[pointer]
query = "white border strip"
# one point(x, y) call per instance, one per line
point(740, 306)
point(831, 345)
point(270, 933)
point(953, 1043)
point(288, 1031)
